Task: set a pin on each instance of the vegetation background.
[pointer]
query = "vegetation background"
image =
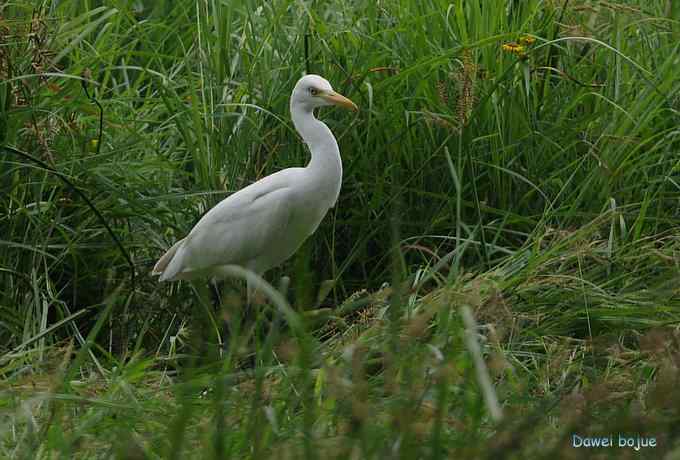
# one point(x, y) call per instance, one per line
point(516, 160)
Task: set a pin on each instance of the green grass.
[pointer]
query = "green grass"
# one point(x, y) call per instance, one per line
point(538, 188)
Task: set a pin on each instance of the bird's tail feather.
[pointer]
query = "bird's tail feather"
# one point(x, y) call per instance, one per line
point(163, 262)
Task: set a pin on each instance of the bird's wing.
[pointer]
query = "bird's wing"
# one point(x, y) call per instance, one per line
point(237, 229)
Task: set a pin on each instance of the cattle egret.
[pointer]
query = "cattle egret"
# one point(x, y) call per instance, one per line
point(263, 224)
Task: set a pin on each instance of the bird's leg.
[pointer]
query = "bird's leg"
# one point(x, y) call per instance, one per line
point(256, 317)
point(268, 324)
point(216, 295)
point(216, 290)
point(251, 312)
point(208, 330)
point(266, 318)
point(284, 284)
point(251, 295)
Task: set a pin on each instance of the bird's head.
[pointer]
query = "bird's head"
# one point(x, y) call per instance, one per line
point(312, 91)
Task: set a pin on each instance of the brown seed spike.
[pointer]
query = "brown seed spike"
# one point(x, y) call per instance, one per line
point(466, 82)
point(441, 91)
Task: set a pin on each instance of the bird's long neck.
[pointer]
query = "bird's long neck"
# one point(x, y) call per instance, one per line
point(326, 164)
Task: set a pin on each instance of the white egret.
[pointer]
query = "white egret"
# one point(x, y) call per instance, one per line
point(263, 224)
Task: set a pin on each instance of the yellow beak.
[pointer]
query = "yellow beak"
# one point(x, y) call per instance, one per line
point(339, 99)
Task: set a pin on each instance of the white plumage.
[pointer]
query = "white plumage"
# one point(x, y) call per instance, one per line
point(263, 224)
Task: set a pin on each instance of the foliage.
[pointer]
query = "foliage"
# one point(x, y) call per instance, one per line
point(516, 158)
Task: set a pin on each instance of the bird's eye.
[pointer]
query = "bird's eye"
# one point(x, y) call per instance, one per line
point(313, 91)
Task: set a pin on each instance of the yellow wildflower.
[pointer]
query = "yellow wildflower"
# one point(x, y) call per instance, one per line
point(527, 40)
point(513, 48)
